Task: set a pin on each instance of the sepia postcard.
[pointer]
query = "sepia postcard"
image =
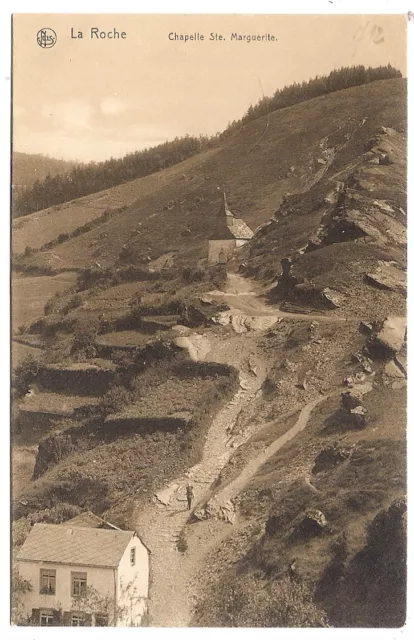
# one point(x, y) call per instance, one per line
point(208, 322)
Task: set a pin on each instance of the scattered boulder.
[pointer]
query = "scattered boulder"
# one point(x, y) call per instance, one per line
point(321, 161)
point(330, 457)
point(387, 276)
point(350, 400)
point(385, 159)
point(358, 416)
point(366, 328)
point(165, 495)
point(313, 524)
point(352, 405)
point(364, 361)
point(194, 317)
point(357, 378)
point(401, 362)
point(331, 298)
point(390, 337)
point(393, 376)
point(216, 511)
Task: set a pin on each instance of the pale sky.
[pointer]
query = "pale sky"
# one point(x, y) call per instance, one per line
point(90, 99)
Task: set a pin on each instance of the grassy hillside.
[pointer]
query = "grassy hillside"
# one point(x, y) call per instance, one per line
point(276, 388)
point(173, 210)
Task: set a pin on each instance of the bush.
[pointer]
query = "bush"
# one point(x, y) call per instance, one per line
point(194, 274)
point(249, 602)
point(20, 531)
point(73, 303)
point(25, 374)
point(122, 358)
point(114, 400)
point(84, 340)
point(49, 307)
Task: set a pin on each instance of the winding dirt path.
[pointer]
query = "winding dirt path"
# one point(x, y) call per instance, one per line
point(243, 298)
point(161, 522)
point(249, 471)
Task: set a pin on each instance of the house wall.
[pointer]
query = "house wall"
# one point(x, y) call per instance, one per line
point(133, 582)
point(100, 578)
point(215, 247)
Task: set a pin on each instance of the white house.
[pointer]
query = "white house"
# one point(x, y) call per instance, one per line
point(229, 233)
point(83, 576)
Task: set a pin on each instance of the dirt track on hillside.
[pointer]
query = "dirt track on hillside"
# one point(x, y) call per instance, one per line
point(161, 523)
point(243, 297)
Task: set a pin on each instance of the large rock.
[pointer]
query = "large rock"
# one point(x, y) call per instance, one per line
point(351, 402)
point(313, 524)
point(364, 361)
point(165, 495)
point(352, 399)
point(332, 299)
point(393, 376)
point(358, 417)
point(387, 276)
point(214, 510)
point(330, 457)
point(391, 335)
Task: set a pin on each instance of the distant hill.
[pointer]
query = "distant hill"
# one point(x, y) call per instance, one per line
point(171, 210)
point(28, 167)
point(94, 177)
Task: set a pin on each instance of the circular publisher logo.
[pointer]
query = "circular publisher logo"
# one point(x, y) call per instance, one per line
point(46, 38)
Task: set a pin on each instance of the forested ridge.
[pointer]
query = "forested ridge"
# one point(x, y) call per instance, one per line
point(85, 179)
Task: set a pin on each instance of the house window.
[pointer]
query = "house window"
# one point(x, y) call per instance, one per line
point(132, 556)
point(46, 618)
point(48, 581)
point(78, 584)
point(77, 620)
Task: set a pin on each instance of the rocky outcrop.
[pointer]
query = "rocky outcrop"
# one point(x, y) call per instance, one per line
point(311, 525)
point(332, 299)
point(214, 510)
point(351, 403)
point(371, 591)
point(330, 457)
point(387, 276)
point(394, 375)
point(389, 338)
point(364, 362)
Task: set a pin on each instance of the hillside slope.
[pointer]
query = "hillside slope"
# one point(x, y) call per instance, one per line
point(172, 210)
point(275, 386)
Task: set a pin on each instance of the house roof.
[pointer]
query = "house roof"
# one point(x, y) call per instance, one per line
point(89, 519)
point(240, 230)
point(75, 545)
point(228, 227)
